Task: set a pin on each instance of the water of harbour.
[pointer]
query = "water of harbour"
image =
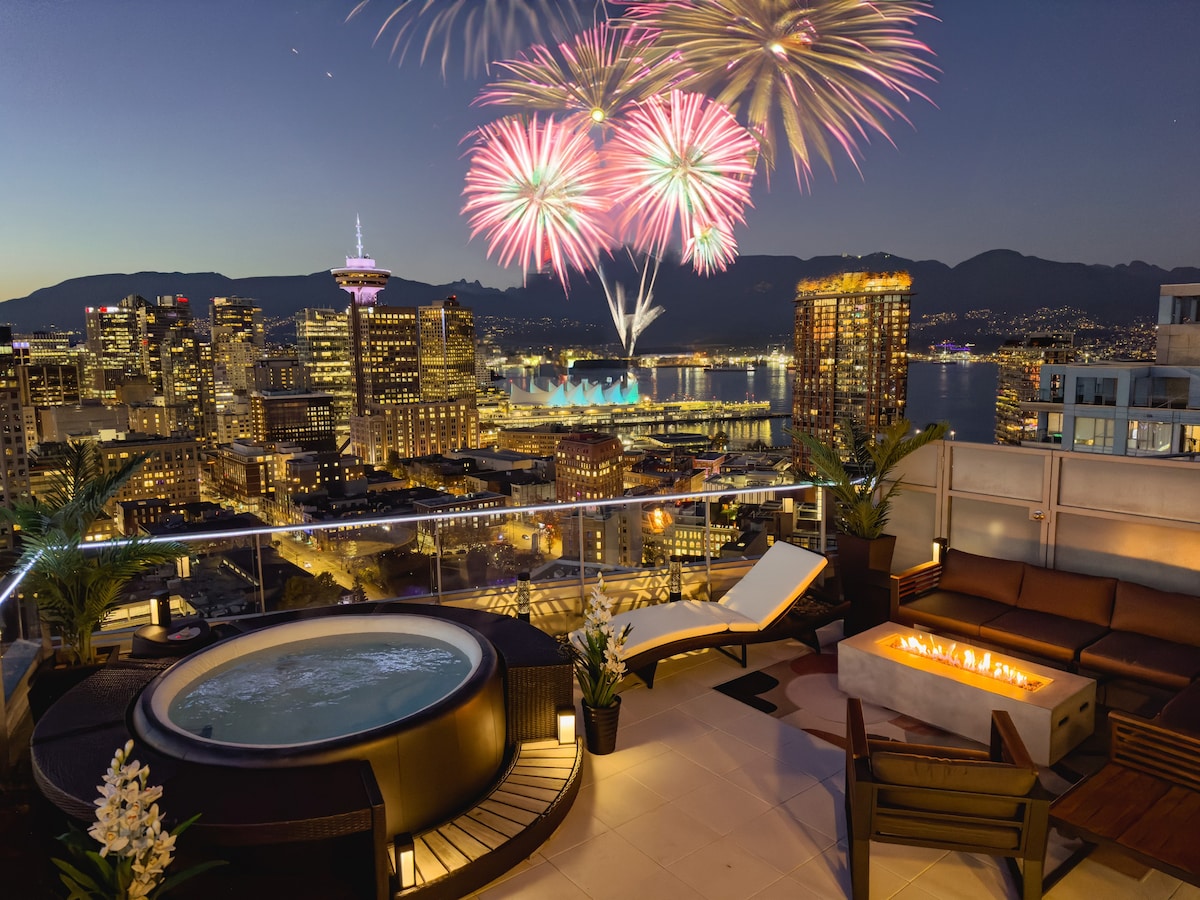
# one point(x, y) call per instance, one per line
point(963, 394)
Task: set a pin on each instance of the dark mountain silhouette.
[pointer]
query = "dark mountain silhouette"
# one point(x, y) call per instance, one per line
point(749, 303)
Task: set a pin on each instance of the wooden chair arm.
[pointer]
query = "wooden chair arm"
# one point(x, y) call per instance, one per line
point(856, 730)
point(913, 582)
point(1006, 743)
point(1146, 746)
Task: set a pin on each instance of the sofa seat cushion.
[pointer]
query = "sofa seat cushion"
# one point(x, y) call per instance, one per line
point(1160, 614)
point(1088, 598)
point(951, 611)
point(1041, 634)
point(982, 576)
point(1142, 658)
point(1183, 712)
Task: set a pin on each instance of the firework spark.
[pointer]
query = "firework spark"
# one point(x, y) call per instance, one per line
point(631, 325)
point(710, 248)
point(589, 78)
point(831, 72)
point(483, 30)
point(682, 162)
point(536, 189)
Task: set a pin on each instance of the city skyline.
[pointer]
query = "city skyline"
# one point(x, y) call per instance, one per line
point(249, 148)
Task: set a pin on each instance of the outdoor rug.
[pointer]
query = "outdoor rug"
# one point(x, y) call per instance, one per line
point(804, 693)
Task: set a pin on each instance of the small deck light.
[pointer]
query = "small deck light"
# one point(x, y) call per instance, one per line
point(160, 611)
point(940, 546)
point(406, 860)
point(675, 579)
point(566, 725)
point(523, 596)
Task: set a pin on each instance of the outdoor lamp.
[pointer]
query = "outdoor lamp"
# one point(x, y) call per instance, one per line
point(160, 611)
point(523, 596)
point(674, 578)
point(940, 546)
point(566, 725)
point(406, 860)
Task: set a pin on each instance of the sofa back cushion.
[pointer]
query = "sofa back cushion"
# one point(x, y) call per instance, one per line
point(982, 576)
point(1088, 598)
point(1155, 613)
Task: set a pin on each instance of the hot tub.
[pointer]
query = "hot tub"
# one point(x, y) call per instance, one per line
point(420, 698)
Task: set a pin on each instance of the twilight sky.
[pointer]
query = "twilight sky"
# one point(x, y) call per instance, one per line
point(244, 137)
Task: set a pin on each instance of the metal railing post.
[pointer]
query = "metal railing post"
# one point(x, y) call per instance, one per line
point(262, 588)
point(708, 549)
point(582, 567)
point(437, 556)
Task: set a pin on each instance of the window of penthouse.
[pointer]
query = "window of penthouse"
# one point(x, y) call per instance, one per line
point(1151, 437)
point(1094, 435)
point(1096, 391)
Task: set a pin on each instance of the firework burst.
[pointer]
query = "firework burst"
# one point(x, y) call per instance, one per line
point(589, 78)
point(830, 72)
point(710, 248)
point(536, 190)
point(682, 162)
point(483, 30)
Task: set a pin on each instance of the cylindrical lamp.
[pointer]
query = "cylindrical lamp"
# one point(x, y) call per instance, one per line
point(523, 596)
point(674, 578)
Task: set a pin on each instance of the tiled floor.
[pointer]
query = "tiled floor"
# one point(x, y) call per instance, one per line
point(708, 798)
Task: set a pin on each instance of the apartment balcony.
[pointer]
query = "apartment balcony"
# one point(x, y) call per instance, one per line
point(706, 795)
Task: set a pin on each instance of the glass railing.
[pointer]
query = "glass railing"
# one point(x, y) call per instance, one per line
point(465, 556)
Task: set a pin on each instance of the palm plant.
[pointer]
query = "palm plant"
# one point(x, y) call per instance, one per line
point(76, 586)
point(862, 504)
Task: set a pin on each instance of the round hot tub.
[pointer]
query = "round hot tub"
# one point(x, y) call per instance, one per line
point(420, 698)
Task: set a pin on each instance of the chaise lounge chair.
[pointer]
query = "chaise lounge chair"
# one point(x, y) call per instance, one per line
point(755, 610)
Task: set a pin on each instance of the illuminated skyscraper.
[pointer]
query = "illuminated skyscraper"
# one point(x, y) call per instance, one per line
point(14, 461)
point(447, 351)
point(116, 346)
point(174, 356)
point(587, 466)
point(1018, 380)
point(237, 341)
point(851, 353)
point(323, 346)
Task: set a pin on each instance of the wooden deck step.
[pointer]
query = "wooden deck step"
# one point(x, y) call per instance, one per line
point(540, 775)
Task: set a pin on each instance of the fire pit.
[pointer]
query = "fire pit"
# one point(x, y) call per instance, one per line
point(928, 678)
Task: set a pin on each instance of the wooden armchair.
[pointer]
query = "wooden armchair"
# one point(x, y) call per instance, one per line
point(969, 800)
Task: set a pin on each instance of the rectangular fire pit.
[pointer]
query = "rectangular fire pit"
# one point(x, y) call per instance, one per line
point(1053, 718)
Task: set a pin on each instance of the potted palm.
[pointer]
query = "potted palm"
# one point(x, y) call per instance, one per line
point(860, 480)
point(75, 585)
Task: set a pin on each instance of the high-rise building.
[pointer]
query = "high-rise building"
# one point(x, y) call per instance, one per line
point(237, 342)
point(447, 351)
point(14, 464)
point(587, 466)
point(371, 336)
point(293, 417)
point(851, 354)
point(1018, 379)
point(414, 429)
point(175, 357)
point(1130, 409)
point(323, 347)
point(116, 346)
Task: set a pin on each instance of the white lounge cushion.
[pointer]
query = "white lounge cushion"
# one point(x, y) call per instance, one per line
point(654, 626)
point(782, 574)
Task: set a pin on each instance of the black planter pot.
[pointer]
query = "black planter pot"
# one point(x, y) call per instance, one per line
point(864, 567)
point(600, 727)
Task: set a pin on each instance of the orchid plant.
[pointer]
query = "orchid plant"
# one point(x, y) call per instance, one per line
point(134, 849)
point(597, 651)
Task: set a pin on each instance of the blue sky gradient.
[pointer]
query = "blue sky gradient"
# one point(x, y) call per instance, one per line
point(244, 137)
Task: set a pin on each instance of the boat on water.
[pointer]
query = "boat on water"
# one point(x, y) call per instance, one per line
point(949, 352)
point(730, 368)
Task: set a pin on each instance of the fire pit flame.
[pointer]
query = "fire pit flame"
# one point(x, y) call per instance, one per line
point(967, 658)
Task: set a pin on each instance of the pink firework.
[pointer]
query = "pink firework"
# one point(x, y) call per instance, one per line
point(679, 163)
point(536, 190)
point(710, 248)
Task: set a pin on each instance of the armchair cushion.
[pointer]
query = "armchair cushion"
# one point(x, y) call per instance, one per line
point(1160, 614)
point(1127, 654)
point(982, 576)
point(951, 785)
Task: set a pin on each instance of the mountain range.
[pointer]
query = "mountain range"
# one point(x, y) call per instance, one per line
point(749, 303)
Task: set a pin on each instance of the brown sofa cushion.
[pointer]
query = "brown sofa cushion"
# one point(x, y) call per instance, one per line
point(1143, 658)
point(981, 576)
point(1088, 598)
point(1041, 634)
point(1160, 614)
point(947, 611)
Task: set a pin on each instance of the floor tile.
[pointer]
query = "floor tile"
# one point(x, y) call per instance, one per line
point(667, 834)
point(781, 839)
point(828, 876)
point(670, 775)
point(608, 867)
point(621, 798)
point(1091, 879)
point(725, 871)
point(543, 882)
point(721, 752)
point(722, 806)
